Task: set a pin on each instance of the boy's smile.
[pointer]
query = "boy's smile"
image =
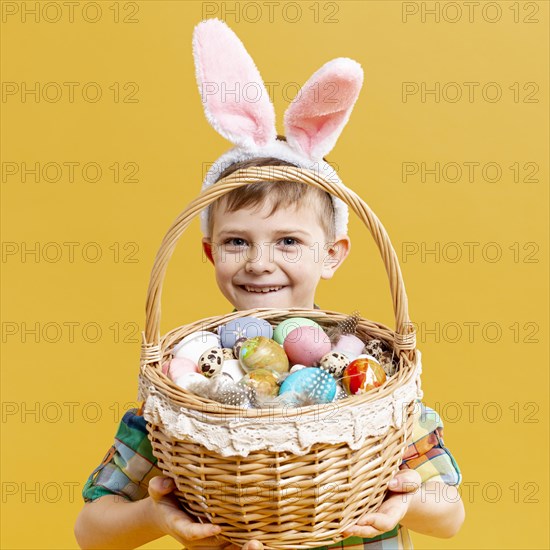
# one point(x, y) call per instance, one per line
point(271, 261)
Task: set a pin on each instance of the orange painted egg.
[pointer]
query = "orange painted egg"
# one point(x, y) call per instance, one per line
point(363, 374)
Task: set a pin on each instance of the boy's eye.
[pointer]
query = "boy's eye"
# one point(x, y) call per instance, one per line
point(236, 241)
point(289, 241)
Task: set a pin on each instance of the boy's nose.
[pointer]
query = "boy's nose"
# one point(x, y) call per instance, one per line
point(259, 259)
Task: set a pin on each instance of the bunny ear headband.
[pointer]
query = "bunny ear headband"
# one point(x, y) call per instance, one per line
point(237, 105)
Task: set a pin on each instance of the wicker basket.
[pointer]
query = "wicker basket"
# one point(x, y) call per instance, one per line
point(284, 499)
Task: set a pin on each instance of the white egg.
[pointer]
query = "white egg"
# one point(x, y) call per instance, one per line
point(233, 368)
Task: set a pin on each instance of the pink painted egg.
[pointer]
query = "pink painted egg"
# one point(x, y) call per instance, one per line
point(307, 345)
point(179, 366)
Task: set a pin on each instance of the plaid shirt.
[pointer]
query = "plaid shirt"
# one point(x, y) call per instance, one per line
point(129, 465)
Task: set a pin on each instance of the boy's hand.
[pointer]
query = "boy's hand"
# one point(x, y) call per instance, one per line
point(392, 510)
point(173, 521)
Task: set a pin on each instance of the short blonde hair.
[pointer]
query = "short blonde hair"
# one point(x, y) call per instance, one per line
point(279, 194)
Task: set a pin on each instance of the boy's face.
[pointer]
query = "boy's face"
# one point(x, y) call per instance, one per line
point(274, 261)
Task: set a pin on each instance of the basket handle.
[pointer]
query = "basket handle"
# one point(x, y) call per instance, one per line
point(405, 334)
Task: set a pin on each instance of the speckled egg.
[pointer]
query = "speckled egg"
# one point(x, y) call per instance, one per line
point(335, 363)
point(228, 353)
point(244, 327)
point(362, 375)
point(311, 385)
point(260, 352)
point(195, 344)
point(307, 345)
point(211, 361)
point(283, 329)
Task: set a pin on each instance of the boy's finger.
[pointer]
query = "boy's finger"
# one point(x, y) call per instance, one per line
point(160, 486)
point(253, 545)
point(366, 532)
point(405, 482)
point(380, 522)
point(194, 531)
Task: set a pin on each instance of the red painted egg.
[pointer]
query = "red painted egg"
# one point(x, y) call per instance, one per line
point(362, 375)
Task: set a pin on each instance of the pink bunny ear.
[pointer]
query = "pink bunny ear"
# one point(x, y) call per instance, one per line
point(235, 100)
point(318, 114)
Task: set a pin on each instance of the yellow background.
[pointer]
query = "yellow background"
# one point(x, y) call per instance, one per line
point(81, 387)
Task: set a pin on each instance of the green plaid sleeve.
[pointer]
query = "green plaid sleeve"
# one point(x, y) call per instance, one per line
point(129, 464)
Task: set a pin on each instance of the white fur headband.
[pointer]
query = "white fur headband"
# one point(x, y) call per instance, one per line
point(238, 107)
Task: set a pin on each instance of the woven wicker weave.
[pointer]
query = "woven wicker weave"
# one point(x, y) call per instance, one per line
point(284, 500)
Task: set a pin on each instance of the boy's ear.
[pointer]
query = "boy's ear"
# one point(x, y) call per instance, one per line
point(334, 255)
point(207, 248)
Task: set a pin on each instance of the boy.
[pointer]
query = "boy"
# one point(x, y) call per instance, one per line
point(270, 244)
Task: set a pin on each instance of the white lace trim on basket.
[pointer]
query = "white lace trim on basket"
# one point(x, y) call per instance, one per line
point(239, 435)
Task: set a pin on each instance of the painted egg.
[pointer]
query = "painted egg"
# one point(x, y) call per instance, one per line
point(264, 381)
point(210, 362)
point(311, 385)
point(180, 366)
point(237, 347)
point(261, 352)
point(233, 368)
point(335, 363)
point(350, 345)
point(363, 374)
point(244, 327)
point(195, 344)
point(283, 329)
point(307, 345)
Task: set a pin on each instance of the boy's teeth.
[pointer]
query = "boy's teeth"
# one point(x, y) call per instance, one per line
point(267, 289)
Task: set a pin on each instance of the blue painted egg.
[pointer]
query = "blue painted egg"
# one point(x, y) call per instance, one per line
point(313, 385)
point(244, 327)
